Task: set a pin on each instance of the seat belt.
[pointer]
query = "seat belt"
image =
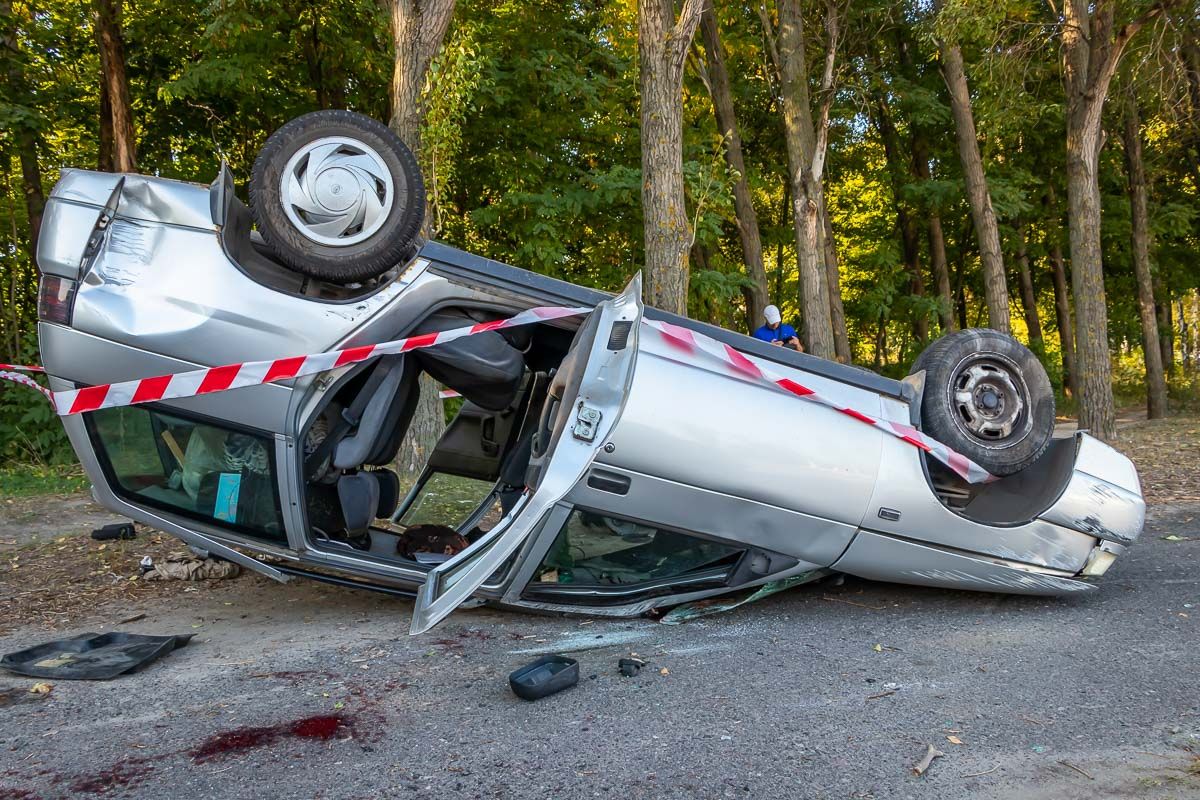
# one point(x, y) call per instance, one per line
point(349, 417)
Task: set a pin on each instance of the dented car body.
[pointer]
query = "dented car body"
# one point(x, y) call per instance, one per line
point(589, 468)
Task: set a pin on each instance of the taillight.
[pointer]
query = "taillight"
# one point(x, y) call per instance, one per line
point(56, 296)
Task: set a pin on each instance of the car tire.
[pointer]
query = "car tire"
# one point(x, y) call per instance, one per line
point(338, 196)
point(988, 397)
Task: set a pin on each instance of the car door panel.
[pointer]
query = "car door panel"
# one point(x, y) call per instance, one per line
point(591, 414)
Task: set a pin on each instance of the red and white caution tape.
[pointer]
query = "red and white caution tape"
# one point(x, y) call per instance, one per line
point(691, 342)
point(25, 380)
point(253, 373)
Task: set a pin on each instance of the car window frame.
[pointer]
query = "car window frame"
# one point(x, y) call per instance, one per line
point(227, 528)
point(450, 584)
point(472, 519)
point(523, 580)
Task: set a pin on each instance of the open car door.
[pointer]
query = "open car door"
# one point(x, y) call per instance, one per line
point(584, 401)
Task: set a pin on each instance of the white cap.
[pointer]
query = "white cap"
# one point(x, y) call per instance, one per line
point(772, 314)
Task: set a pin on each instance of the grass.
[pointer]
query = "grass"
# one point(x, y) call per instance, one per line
point(27, 480)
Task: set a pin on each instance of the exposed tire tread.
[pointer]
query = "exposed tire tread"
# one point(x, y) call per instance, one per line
point(395, 241)
point(940, 360)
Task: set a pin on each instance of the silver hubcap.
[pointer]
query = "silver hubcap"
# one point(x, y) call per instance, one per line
point(337, 191)
point(989, 398)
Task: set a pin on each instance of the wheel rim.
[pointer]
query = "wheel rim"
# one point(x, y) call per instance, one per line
point(337, 191)
point(990, 400)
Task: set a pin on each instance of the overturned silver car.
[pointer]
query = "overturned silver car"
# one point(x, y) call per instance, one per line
point(590, 468)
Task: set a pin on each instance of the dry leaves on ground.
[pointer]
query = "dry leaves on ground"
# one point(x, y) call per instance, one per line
point(53, 582)
point(1167, 455)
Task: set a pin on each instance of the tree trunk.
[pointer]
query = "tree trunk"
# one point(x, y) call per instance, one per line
point(663, 44)
point(806, 141)
point(986, 230)
point(24, 135)
point(418, 28)
point(747, 219)
point(1028, 291)
point(937, 238)
point(1195, 328)
point(1185, 346)
point(785, 214)
point(906, 225)
point(104, 151)
point(1166, 324)
point(1189, 54)
point(1062, 314)
point(1156, 384)
point(110, 42)
point(837, 311)
point(1091, 53)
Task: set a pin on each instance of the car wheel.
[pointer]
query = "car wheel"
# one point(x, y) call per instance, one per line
point(988, 397)
point(338, 196)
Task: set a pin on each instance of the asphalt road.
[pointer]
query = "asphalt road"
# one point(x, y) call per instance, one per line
point(823, 692)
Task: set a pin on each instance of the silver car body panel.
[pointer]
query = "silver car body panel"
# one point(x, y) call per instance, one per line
point(1103, 497)
point(815, 540)
point(704, 451)
point(698, 425)
point(881, 557)
point(1039, 542)
point(87, 359)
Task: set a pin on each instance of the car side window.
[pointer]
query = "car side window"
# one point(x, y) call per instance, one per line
point(191, 467)
point(445, 499)
point(597, 549)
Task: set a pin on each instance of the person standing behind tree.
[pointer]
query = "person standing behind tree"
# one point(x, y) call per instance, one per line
point(775, 332)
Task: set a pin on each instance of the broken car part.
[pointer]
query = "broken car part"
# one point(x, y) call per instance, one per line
point(544, 677)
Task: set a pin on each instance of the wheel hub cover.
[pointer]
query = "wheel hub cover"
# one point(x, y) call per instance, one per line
point(337, 191)
point(990, 399)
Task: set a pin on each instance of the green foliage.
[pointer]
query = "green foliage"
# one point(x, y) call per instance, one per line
point(531, 148)
point(30, 432)
point(33, 479)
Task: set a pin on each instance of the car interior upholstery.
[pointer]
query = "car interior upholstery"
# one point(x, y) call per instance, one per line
point(505, 379)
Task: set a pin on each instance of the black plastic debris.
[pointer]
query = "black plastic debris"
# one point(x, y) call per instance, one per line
point(115, 530)
point(630, 666)
point(544, 677)
point(91, 656)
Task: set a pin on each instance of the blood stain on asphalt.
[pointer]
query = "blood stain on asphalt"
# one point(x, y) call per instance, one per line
point(122, 775)
point(321, 728)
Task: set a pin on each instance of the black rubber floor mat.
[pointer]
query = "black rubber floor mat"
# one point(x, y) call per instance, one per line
point(91, 656)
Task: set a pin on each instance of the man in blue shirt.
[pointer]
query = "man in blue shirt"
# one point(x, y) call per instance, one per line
point(776, 332)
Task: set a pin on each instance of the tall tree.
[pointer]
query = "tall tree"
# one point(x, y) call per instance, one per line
point(807, 136)
point(24, 129)
point(114, 97)
point(906, 223)
point(1091, 49)
point(663, 43)
point(747, 219)
point(919, 136)
point(418, 29)
point(936, 236)
point(1140, 239)
point(995, 288)
point(1062, 291)
point(1033, 323)
point(833, 278)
